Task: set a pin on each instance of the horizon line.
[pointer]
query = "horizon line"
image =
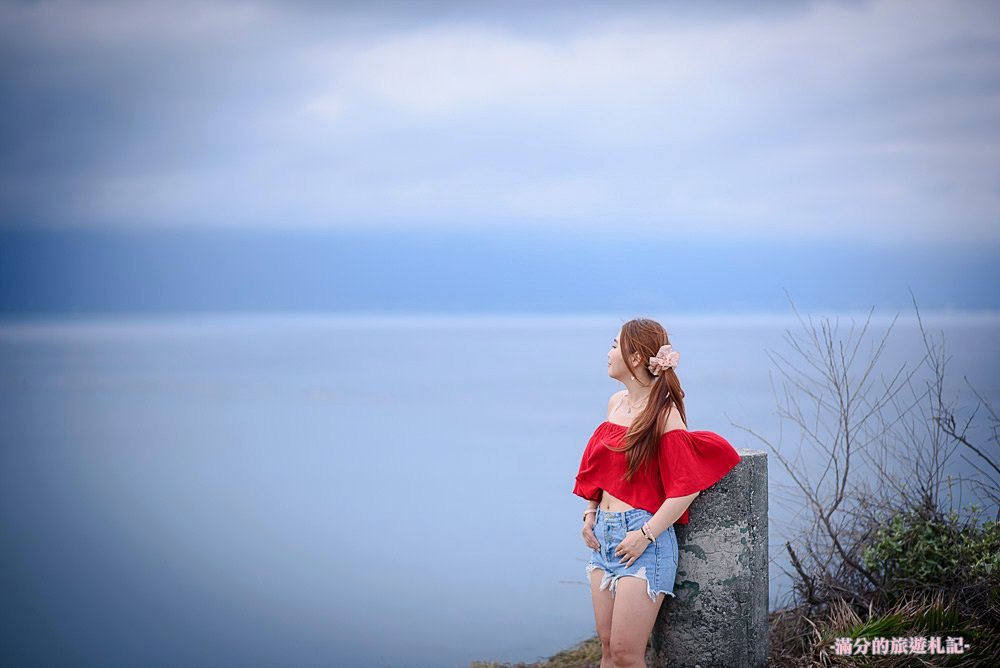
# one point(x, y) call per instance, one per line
point(358, 317)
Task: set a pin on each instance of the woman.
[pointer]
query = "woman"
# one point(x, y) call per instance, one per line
point(640, 471)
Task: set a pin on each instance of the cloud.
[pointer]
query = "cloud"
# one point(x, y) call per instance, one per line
point(68, 26)
point(870, 121)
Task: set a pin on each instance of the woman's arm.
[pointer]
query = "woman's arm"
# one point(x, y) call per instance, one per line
point(668, 513)
point(589, 521)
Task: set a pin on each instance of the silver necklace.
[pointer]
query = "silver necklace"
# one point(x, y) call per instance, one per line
point(631, 405)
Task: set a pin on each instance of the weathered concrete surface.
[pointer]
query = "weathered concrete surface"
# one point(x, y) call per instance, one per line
point(719, 617)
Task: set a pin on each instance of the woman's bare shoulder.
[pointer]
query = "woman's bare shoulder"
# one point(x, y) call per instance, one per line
point(674, 421)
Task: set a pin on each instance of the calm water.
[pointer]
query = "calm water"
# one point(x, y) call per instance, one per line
point(319, 490)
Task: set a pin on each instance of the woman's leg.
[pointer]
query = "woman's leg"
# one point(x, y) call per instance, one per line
point(632, 622)
point(603, 607)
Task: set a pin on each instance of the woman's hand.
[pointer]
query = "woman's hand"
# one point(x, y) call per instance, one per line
point(631, 547)
point(588, 534)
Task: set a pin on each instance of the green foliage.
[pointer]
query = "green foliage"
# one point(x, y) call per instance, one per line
point(928, 620)
point(914, 551)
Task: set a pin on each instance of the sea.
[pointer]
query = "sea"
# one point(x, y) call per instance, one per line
point(372, 490)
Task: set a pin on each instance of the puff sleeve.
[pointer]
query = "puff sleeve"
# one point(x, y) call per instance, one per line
point(586, 485)
point(693, 461)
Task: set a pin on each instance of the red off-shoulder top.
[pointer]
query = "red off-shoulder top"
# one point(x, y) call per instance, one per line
point(687, 462)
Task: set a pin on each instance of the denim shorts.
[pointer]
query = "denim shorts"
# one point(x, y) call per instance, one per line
point(657, 564)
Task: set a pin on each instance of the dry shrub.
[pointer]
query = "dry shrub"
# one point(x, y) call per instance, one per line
point(879, 452)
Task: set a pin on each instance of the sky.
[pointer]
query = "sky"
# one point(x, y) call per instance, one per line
point(834, 132)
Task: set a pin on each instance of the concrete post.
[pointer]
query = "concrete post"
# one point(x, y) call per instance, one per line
point(719, 617)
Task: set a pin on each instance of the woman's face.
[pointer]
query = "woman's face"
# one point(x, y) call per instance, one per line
point(616, 365)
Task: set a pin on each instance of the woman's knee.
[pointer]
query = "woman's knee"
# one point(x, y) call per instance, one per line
point(605, 645)
point(604, 633)
point(624, 652)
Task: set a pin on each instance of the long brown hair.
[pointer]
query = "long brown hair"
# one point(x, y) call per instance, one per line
point(642, 439)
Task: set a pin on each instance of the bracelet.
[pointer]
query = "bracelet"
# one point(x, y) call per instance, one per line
point(586, 512)
point(649, 535)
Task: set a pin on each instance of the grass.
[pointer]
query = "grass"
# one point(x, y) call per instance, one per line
point(586, 654)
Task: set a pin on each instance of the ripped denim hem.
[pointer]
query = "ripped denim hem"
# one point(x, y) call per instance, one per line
point(610, 581)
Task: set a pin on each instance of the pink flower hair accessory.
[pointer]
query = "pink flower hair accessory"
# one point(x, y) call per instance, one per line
point(666, 358)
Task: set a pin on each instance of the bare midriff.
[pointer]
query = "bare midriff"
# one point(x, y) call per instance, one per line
point(611, 504)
